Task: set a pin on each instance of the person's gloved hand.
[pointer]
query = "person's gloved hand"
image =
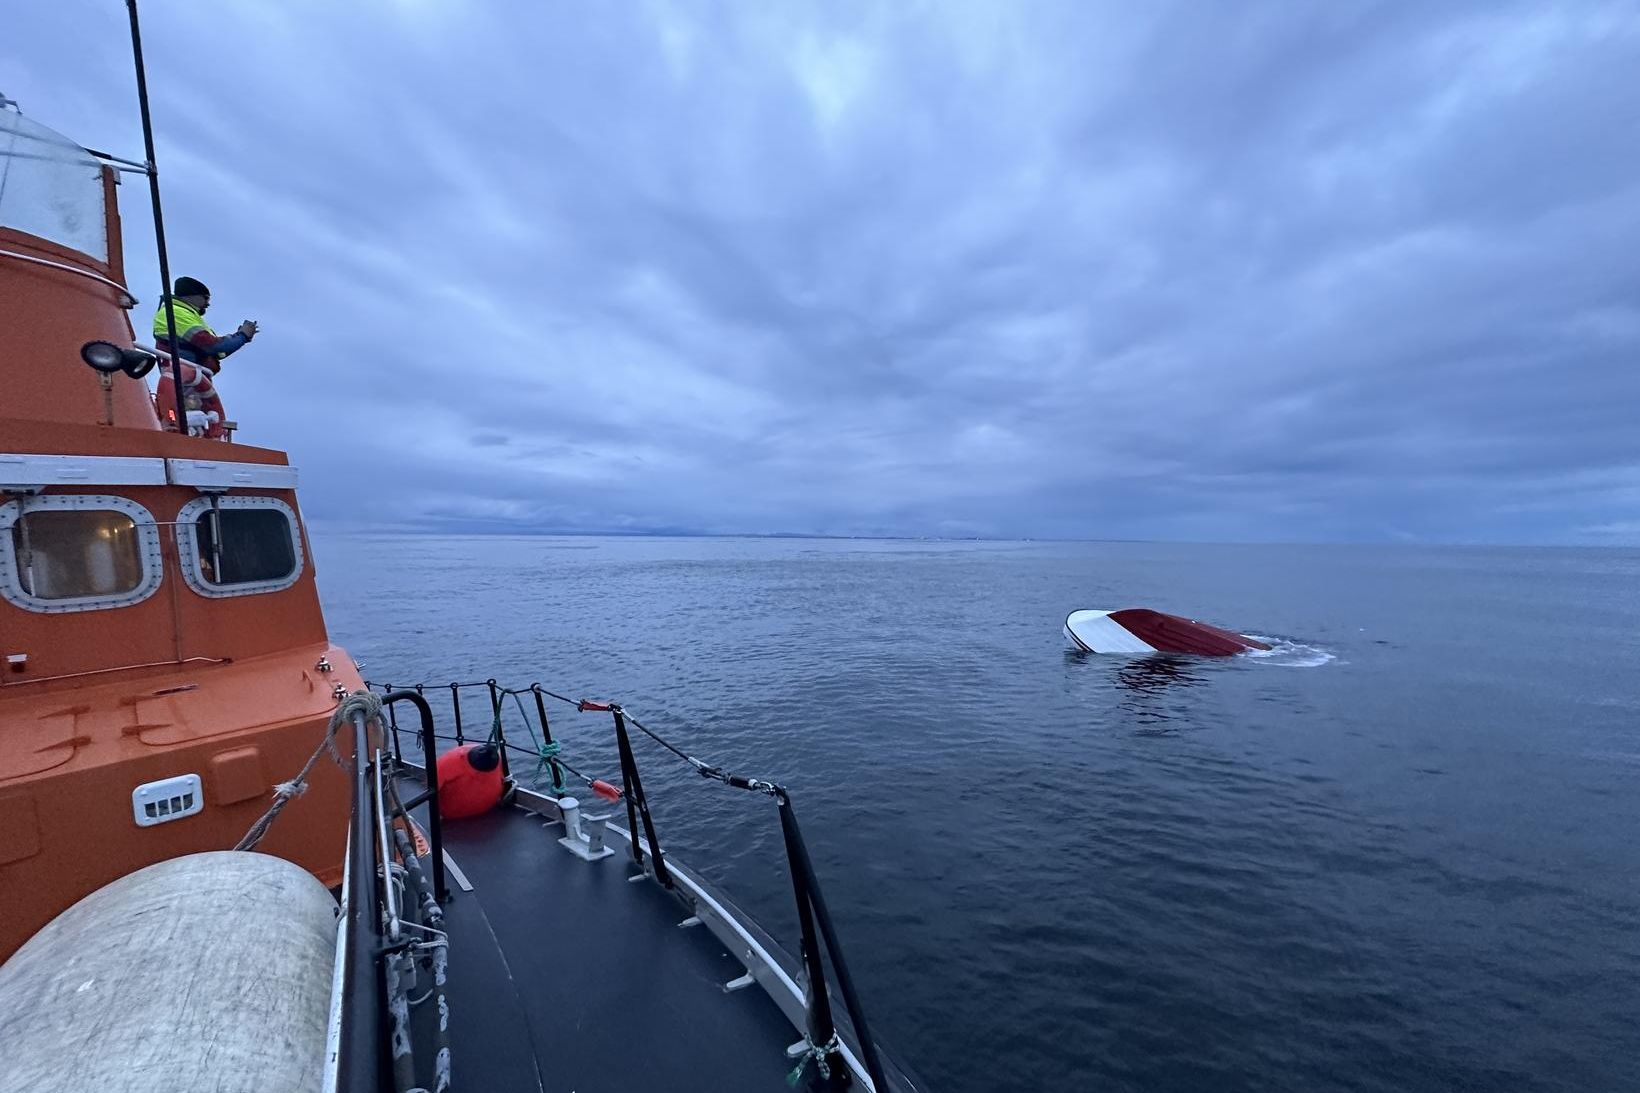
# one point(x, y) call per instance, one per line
point(248, 328)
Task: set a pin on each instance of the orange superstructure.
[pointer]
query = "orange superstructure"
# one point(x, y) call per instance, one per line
point(163, 658)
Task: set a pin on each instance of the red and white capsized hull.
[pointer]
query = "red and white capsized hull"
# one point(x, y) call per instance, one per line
point(1141, 630)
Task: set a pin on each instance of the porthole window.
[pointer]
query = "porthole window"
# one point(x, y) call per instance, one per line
point(77, 553)
point(238, 546)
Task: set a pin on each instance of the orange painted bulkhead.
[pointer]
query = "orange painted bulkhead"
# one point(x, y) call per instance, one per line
point(230, 689)
point(94, 703)
point(173, 624)
point(47, 313)
point(72, 759)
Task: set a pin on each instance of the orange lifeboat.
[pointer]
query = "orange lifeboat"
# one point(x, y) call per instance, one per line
point(163, 659)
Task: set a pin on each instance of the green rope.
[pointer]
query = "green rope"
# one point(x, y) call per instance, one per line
point(820, 1055)
point(545, 752)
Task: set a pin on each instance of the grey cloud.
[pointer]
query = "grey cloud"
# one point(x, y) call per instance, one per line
point(1275, 271)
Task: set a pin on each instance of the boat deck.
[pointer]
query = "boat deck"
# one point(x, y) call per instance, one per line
point(565, 976)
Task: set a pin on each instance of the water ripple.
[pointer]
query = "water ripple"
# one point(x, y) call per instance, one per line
point(1411, 871)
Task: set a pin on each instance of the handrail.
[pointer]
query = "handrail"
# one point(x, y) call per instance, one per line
point(163, 355)
point(128, 303)
point(637, 805)
point(821, 1033)
point(120, 163)
point(429, 753)
point(555, 762)
point(806, 887)
point(455, 701)
point(364, 991)
point(818, 934)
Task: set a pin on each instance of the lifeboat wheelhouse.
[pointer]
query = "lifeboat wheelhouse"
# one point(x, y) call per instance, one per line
point(163, 659)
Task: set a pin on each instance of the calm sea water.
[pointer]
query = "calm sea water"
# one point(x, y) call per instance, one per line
point(1402, 854)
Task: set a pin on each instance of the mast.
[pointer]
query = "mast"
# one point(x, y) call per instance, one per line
point(151, 169)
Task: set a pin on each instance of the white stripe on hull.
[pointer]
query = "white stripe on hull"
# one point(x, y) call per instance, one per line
point(1097, 631)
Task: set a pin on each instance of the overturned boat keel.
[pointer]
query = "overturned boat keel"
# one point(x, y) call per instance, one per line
point(1141, 630)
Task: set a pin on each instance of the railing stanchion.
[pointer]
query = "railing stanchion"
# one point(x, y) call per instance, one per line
point(816, 999)
point(362, 1062)
point(808, 890)
point(546, 734)
point(636, 806)
point(500, 735)
point(393, 723)
point(455, 702)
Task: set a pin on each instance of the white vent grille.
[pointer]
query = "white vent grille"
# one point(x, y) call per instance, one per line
point(166, 800)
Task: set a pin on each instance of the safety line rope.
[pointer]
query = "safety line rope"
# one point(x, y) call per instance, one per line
point(583, 705)
point(285, 792)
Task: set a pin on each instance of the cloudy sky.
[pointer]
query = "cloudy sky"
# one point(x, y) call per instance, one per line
point(1205, 271)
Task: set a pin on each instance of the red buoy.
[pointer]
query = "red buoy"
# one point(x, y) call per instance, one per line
point(605, 790)
point(469, 781)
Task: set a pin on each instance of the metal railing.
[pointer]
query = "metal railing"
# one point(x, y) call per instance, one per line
point(361, 1056)
point(127, 301)
point(374, 1019)
point(818, 935)
point(428, 796)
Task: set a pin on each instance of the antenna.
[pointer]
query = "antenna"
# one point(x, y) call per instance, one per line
point(152, 171)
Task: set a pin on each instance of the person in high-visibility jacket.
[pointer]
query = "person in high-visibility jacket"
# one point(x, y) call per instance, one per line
point(201, 350)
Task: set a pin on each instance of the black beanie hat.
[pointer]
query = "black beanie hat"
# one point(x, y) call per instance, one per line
point(187, 286)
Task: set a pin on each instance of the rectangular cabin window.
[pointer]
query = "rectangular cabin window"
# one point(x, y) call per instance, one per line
point(66, 554)
point(257, 545)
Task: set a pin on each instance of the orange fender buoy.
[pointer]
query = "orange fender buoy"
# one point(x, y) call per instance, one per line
point(469, 781)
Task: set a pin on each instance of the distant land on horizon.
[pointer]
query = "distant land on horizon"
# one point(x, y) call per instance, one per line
point(492, 529)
